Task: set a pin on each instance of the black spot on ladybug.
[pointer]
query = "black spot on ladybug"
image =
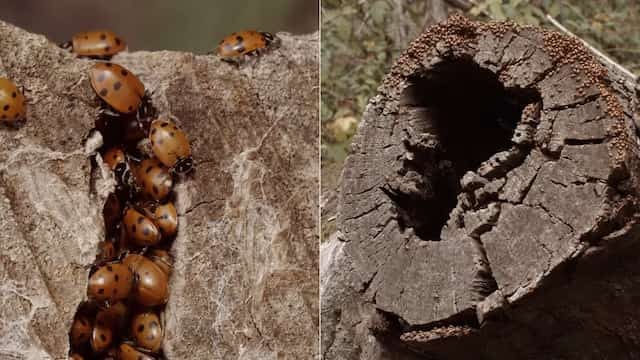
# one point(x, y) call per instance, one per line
point(118, 41)
point(107, 48)
point(153, 131)
point(155, 189)
point(133, 228)
point(164, 124)
point(130, 108)
point(140, 220)
point(5, 108)
point(4, 116)
point(103, 36)
point(86, 37)
point(108, 64)
point(83, 322)
point(239, 39)
point(103, 92)
point(165, 216)
point(141, 328)
point(172, 134)
point(148, 169)
point(13, 94)
point(117, 85)
point(124, 72)
point(103, 338)
point(117, 277)
point(101, 291)
point(109, 268)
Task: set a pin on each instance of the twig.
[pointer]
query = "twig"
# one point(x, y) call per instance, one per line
point(593, 49)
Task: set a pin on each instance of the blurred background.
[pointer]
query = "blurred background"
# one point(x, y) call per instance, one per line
point(188, 25)
point(361, 39)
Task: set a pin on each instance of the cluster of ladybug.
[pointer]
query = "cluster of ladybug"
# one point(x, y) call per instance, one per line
point(128, 283)
point(234, 48)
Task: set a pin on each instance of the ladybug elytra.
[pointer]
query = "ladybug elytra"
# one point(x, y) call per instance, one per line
point(96, 44)
point(12, 103)
point(118, 88)
point(140, 229)
point(147, 331)
point(110, 282)
point(171, 146)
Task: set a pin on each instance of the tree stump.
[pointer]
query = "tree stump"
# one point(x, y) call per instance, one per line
point(489, 207)
point(244, 283)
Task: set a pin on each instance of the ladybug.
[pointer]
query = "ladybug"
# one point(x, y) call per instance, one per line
point(162, 259)
point(12, 103)
point(110, 282)
point(235, 47)
point(76, 356)
point(152, 284)
point(171, 146)
point(111, 211)
point(147, 331)
point(165, 216)
point(95, 44)
point(101, 337)
point(140, 229)
point(128, 352)
point(154, 179)
point(119, 89)
point(80, 330)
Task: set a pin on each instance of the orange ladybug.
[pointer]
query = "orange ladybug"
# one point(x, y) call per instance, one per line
point(147, 331)
point(76, 356)
point(152, 284)
point(165, 216)
point(101, 337)
point(128, 352)
point(235, 47)
point(140, 229)
point(162, 259)
point(110, 282)
point(95, 44)
point(154, 179)
point(171, 146)
point(80, 330)
point(12, 103)
point(118, 88)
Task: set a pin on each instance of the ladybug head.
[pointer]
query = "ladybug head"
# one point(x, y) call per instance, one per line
point(184, 165)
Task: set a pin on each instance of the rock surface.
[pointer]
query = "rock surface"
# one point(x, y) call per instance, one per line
point(246, 261)
point(489, 208)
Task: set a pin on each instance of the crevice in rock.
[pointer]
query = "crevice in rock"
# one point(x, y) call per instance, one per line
point(467, 117)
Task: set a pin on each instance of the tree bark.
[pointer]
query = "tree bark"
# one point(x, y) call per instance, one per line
point(244, 284)
point(489, 206)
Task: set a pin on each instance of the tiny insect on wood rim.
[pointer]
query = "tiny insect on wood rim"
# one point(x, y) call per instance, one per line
point(12, 103)
point(236, 47)
point(99, 44)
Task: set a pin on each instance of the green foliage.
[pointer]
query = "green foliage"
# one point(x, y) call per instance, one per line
point(611, 25)
point(356, 53)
